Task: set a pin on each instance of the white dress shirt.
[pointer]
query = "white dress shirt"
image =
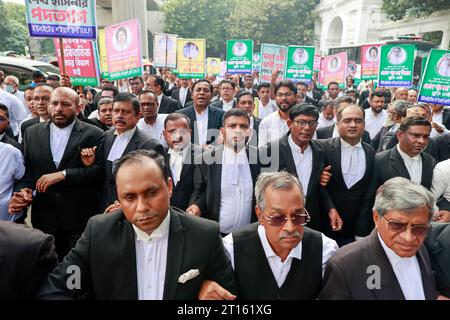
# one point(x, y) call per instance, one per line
point(159, 100)
point(413, 165)
point(11, 169)
point(407, 272)
point(441, 180)
point(154, 131)
point(120, 144)
point(272, 128)
point(324, 122)
point(183, 95)
point(280, 269)
point(335, 132)
point(58, 141)
point(374, 122)
point(353, 163)
point(266, 110)
point(17, 111)
point(151, 260)
point(228, 105)
point(303, 163)
point(236, 191)
point(202, 126)
point(176, 162)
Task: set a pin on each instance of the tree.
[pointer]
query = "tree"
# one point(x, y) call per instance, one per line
point(199, 19)
point(13, 31)
point(282, 22)
point(399, 9)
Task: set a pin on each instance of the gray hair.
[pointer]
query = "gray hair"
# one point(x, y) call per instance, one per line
point(401, 194)
point(275, 181)
point(104, 101)
point(400, 107)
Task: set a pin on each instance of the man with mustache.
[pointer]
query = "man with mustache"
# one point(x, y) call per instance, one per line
point(406, 160)
point(277, 258)
point(391, 263)
point(122, 139)
point(146, 251)
point(61, 189)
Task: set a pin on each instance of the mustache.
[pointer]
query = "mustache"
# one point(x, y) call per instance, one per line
point(287, 234)
point(144, 215)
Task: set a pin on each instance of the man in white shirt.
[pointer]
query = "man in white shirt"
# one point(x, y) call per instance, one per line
point(440, 121)
point(391, 263)
point(63, 192)
point(375, 115)
point(328, 115)
point(147, 250)
point(275, 125)
point(183, 94)
point(11, 169)
point(152, 123)
point(12, 86)
point(264, 106)
point(17, 111)
point(225, 178)
point(227, 92)
point(441, 190)
point(279, 257)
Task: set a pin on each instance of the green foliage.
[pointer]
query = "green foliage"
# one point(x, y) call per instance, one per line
point(13, 30)
point(399, 9)
point(264, 21)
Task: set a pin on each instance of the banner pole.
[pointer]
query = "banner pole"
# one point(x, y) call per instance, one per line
point(61, 49)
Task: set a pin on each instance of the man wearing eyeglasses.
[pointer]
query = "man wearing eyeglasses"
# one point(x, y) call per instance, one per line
point(279, 257)
point(303, 157)
point(391, 263)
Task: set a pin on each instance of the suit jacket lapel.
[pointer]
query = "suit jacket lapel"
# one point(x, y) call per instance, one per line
point(317, 166)
point(390, 287)
point(369, 163)
point(216, 178)
point(428, 280)
point(427, 171)
point(398, 164)
point(286, 153)
point(127, 250)
point(211, 119)
point(336, 166)
point(175, 250)
point(74, 139)
point(46, 148)
point(133, 144)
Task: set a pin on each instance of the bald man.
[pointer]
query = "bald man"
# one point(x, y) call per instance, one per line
point(62, 191)
point(401, 93)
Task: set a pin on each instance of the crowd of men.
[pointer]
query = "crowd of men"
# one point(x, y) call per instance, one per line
point(165, 188)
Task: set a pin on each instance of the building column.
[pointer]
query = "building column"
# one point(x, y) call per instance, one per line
point(445, 43)
point(127, 10)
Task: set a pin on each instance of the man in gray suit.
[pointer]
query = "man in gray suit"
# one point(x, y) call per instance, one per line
point(391, 263)
point(147, 250)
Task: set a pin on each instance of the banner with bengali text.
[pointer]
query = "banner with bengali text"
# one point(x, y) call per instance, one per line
point(79, 60)
point(333, 69)
point(435, 87)
point(61, 18)
point(272, 57)
point(396, 65)
point(299, 64)
point(370, 61)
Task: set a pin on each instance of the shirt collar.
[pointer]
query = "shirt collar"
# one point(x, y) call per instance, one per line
point(68, 128)
point(392, 256)
point(406, 156)
point(295, 147)
point(158, 233)
point(348, 146)
point(126, 134)
point(295, 252)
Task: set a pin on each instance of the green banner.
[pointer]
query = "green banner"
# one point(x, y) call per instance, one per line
point(396, 65)
point(424, 63)
point(239, 56)
point(435, 87)
point(299, 64)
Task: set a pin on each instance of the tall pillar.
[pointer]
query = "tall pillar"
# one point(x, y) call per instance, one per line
point(126, 10)
point(445, 43)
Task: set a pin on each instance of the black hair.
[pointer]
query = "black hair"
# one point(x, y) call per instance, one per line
point(242, 94)
point(303, 109)
point(176, 116)
point(200, 81)
point(285, 83)
point(413, 121)
point(263, 85)
point(4, 108)
point(131, 98)
point(234, 112)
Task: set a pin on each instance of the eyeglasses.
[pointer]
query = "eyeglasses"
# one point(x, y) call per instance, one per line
point(287, 94)
point(299, 219)
point(302, 123)
point(399, 227)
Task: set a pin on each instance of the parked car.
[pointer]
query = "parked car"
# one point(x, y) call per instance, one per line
point(22, 69)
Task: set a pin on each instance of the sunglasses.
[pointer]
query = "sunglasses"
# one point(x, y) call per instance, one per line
point(399, 227)
point(299, 219)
